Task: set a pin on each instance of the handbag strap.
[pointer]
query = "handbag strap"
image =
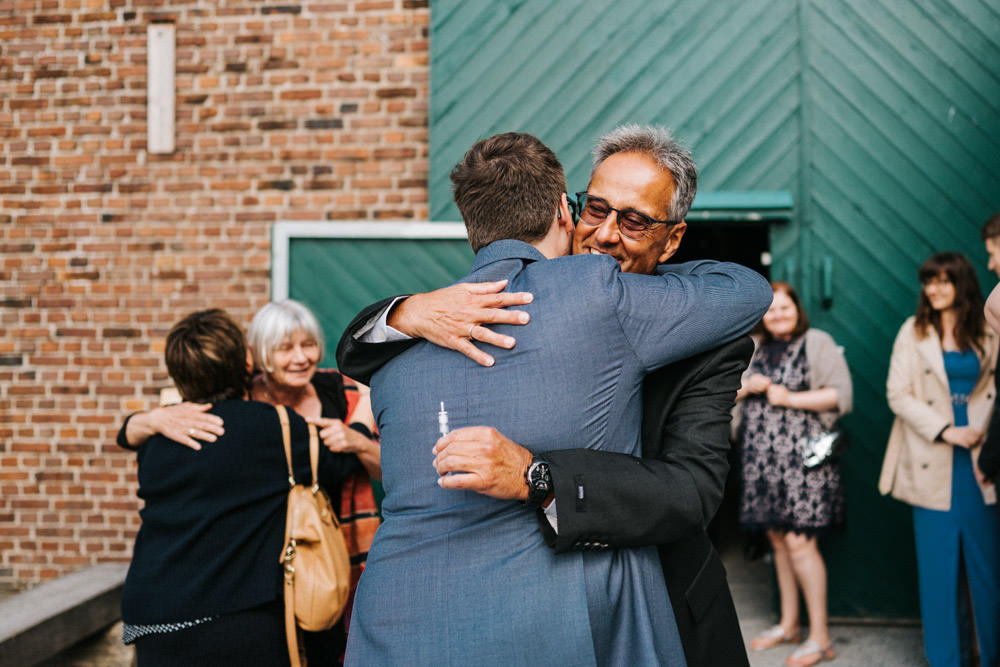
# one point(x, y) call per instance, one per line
point(287, 440)
point(291, 629)
point(314, 455)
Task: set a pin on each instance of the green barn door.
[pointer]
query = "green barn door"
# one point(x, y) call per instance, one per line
point(336, 269)
point(882, 119)
point(902, 103)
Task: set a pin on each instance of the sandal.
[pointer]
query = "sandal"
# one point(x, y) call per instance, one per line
point(772, 637)
point(809, 653)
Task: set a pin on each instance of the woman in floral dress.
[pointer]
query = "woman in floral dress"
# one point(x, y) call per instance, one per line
point(796, 387)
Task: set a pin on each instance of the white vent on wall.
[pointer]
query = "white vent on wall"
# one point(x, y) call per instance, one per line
point(160, 88)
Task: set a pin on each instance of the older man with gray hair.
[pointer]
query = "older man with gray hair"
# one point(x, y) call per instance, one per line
point(641, 187)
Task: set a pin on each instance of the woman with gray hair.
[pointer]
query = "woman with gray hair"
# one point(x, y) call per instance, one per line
point(287, 347)
point(286, 342)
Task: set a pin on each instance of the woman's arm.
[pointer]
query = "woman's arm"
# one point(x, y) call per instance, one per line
point(755, 383)
point(918, 414)
point(185, 423)
point(828, 368)
point(816, 400)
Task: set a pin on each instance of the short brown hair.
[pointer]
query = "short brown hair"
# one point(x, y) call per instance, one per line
point(801, 324)
point(508, 187)
point(206, 356)
point(991, 228)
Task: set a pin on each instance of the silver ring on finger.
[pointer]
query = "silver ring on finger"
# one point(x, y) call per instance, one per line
point(471, 327)
point(191, 432)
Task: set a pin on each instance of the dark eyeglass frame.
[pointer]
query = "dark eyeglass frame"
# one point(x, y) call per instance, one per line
point(577, 207)
point(936, 280)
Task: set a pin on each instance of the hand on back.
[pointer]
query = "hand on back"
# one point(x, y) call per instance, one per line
point(187, 423)
point(454, 316)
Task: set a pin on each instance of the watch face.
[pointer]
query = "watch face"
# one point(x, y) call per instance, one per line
point(539, 477)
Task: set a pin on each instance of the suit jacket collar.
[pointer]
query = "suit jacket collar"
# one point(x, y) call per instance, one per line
point(506, 249)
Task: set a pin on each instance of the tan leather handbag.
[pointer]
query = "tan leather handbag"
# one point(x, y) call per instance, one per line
point(317, 567)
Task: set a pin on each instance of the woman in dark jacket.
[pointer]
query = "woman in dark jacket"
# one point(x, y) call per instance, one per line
point(204, 585)
point(286, 342)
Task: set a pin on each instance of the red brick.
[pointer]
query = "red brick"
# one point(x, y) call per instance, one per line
point(317, 115)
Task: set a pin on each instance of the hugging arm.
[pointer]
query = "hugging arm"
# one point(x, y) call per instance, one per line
point(687, 308)
point(676, 488)
point(360, 360)
point(186, 423)
point(451, 317)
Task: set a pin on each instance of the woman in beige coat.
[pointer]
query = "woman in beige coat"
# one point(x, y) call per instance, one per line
point(940, 388)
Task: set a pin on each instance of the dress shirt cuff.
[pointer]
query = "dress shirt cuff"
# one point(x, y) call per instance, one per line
point(377, 329)
point(550, 516)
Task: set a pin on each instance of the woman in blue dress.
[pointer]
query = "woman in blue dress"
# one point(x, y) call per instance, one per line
point(940, 388)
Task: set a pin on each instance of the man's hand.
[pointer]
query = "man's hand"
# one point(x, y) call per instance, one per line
point(186, 423)
point(482, 460)
point(453, 316)
point(962, 436)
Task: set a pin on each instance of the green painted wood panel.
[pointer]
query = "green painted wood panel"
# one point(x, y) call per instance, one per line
point(337, 277)
point(904, 101)
point(882, 119)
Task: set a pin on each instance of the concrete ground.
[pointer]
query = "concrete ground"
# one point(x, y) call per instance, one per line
point(104, 649)
point(857, 645)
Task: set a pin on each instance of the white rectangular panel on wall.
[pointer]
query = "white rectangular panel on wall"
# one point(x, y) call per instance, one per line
point(160, 41)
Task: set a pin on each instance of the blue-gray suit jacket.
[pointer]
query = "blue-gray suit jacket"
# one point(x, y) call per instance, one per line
point(455, 577)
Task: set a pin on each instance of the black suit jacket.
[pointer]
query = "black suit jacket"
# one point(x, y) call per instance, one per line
point(989, 457)
point(667, 498)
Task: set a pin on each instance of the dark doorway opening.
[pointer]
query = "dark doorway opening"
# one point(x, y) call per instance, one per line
point(742, 242)
point(745, 243)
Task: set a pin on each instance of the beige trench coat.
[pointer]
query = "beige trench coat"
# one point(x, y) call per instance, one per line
point(916, 468)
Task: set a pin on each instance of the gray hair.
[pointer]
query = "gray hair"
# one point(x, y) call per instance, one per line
point(277, 321)
point(659, 144)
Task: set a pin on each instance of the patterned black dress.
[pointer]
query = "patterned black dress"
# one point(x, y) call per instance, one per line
point(778, 492)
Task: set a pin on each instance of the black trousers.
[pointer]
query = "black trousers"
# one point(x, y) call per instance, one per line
point(251, 637)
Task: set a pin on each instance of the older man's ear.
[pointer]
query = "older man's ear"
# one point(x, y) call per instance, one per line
point(564, 216)
point(672, 242)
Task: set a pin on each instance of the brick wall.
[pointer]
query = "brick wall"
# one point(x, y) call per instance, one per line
point(290, 111)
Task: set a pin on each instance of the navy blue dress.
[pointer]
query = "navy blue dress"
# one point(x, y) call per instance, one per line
point(968, 531)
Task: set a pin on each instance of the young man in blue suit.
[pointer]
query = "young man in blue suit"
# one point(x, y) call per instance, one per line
point(572, 381)
point(666, 498)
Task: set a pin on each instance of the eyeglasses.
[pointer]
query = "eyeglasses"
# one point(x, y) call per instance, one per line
point(633, 224)
point(936, 280)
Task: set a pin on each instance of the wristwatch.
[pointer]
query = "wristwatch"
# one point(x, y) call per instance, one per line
point(539, 481)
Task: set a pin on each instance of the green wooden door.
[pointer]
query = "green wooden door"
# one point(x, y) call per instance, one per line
point(882, 118)
point(336, 269)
